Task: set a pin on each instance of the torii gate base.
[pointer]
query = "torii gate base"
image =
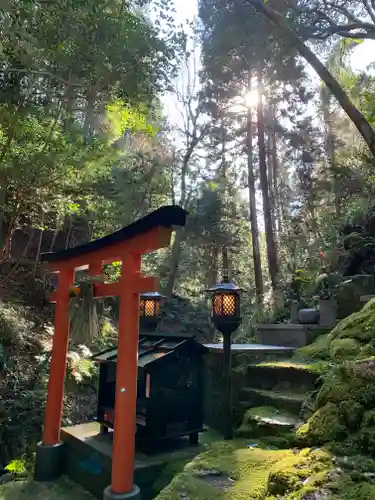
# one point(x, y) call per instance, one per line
point(126, 246)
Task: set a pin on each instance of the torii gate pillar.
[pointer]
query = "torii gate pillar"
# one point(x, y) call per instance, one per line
point(127, 245)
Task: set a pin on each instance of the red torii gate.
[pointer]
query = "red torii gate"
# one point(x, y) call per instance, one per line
point(126, 245)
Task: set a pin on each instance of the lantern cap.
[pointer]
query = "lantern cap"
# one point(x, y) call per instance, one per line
point(225, 286)
point(152, 295)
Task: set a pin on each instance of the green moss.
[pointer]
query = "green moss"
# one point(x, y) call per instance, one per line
point(292, 364)
point(352, 413)
point(168, 473)
point(368, 350)
point(318, 350)
point(352, 338)
point(343, 349)
point(359, 325)
point(325, 425)
point(334, 389)
point(62, 489)
point(255, 473)
point(362, 491)
point(281, 441)
point(364, 440)
point(281, 482)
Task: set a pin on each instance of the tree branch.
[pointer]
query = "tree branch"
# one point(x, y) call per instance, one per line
point(358, 119)
point(370, 7)
point(40, 73)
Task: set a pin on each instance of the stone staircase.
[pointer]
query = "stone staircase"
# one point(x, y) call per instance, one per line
point(272, 402)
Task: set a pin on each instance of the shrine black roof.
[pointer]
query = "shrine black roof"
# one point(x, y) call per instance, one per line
point(150, 349)
point(167, 216)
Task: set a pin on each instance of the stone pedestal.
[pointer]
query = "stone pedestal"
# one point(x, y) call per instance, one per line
point(328, 312)
point(294, 308)
point(49, 461)
point(135, 494)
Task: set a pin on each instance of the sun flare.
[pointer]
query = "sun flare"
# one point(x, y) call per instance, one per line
point(251, 98)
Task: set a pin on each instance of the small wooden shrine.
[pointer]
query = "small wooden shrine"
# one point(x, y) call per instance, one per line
point(169, 388)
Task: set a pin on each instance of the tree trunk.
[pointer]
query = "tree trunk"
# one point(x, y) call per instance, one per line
point(69, 101)
point(225, 262)
point(271, 246)
point(212, 271)
point(7, 245)
point(330, 151)
point(87, 125)
point(270, 170)
point(175, 257)
point(180, 233)
point(362, 125)
point(253, 209)
point(275, 166)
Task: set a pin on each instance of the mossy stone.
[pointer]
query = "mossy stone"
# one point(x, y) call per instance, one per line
point(281, 482)
point(343, 349)
point(324, 426)
point(364, 439)
point(352, 413)
point(359, 326)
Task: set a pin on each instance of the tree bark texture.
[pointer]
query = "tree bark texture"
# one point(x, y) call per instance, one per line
point(270, 239)
point(253, 209)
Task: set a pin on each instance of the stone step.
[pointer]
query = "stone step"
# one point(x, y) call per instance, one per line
point(289, 373)
point(267, 421)
point(366, 298)
point(283, 400)
point(289, 335)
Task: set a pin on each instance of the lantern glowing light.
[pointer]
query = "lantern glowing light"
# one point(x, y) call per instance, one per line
point(149, 308)
point(224, 304)
point(225, 313)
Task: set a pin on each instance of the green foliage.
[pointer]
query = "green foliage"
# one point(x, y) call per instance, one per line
point(123, 118)
point(14, 326)
point(327, 285)
point(81, 368)
point(16, 467)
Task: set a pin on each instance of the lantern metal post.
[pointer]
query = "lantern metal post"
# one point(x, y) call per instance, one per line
point(149, 310)
point(227, 376)
point(225, 316)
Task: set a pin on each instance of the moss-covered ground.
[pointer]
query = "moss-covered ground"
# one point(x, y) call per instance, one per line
point(241, 470)
point(63, 489)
